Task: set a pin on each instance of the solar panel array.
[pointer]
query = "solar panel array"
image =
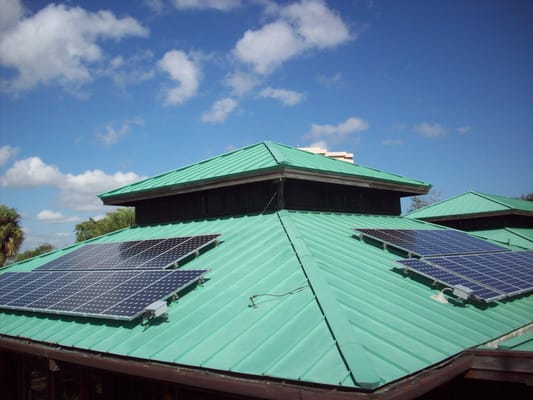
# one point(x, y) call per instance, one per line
point(140, 254)
point(435, 242)
point(456, 259)
point(121, 295)
point(106, 280)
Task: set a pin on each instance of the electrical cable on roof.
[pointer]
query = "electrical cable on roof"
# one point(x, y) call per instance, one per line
point(298, 289)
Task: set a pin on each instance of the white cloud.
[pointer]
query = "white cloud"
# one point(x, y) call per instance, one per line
point(392, 142)
point(55, 217)
point(267, 48)
point(299, 27)
point(321, 144)
point(338, 132)
point(316, 24)
point(130, 70)
point(183, 70)
point(463, 130)
point(112, 135)
point(287, 97)
point(12, 12)
point(430, 130)
point(77, 192)
point(242, 82)
point(58, 45)
point(329, 80)
point(219, 111)
point(31, 172)
point(221, 5)
point(7, 153)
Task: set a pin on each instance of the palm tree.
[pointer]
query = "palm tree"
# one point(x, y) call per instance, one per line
point(11, 234)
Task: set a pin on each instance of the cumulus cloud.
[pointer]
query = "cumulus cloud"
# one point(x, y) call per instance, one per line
point(219, 111)
point(286, 97)
point(113, 135)
point(430, 130)
point(58, 45)
point(298, 27)
point(7, 153)
point(183, 70)
point(130, 70)
point(220, 5)
point(77, 192)
point(12, 12)
point(55, 217)
point(242, 82)
point(338, 132)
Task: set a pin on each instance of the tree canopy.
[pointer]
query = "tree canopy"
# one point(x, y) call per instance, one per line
point(424, 201)
point(43, 248)
point(11, 234)
point(114, 220)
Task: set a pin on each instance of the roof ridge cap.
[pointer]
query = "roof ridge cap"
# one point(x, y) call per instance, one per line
point(362, 369)
point(491, 198)
point(279, 158)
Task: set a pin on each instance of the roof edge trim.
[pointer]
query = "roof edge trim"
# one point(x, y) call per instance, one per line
point(280, 171)
point(354, 354)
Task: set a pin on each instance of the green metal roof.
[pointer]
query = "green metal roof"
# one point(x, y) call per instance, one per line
point(259, 158)
point(473, 203)
point(523, 342)
point(519, 238)
point(359, 322)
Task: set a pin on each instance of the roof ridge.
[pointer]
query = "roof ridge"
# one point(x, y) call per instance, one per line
point(491, 198)
point(354, 354)
point(276, 154)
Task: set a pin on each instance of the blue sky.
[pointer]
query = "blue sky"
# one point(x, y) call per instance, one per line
point(97, 94)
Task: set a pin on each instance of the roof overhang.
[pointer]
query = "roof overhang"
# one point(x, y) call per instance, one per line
point(264, 175)
point(490, 214)
point(499, 365)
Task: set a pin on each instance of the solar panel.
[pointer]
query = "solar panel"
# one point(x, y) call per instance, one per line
point(145, 254)
point(122, 295)
point(491, 276)
point(435, 242)
point(449, 279)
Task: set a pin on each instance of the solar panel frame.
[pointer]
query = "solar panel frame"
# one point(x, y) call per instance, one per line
point(138, 254)
point(112, 291)
point(450, 279)
point(431, 242)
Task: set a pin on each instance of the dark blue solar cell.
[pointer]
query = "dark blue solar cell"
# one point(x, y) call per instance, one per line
point(139, 254)
point(426, 243)
point(450, 279)
point(509, 272)
point(167, 284)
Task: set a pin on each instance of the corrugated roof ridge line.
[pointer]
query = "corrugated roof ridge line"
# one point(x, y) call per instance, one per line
point(436, 204)
point(492, 198)
point(276, 154)
point(354, 354)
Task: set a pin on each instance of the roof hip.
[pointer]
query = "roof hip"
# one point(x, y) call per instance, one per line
point(352, 351)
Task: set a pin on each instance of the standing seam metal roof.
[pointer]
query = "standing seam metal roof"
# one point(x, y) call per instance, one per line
point(261, 157)
point(360, 323)
point(472, 203)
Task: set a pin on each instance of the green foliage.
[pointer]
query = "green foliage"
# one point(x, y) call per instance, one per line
point(114, 220)
point(42, 249)
point(11, 234)
point(424, 201)
point(528, 197)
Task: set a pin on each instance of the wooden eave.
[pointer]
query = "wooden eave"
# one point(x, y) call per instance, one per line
point(276, 173)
